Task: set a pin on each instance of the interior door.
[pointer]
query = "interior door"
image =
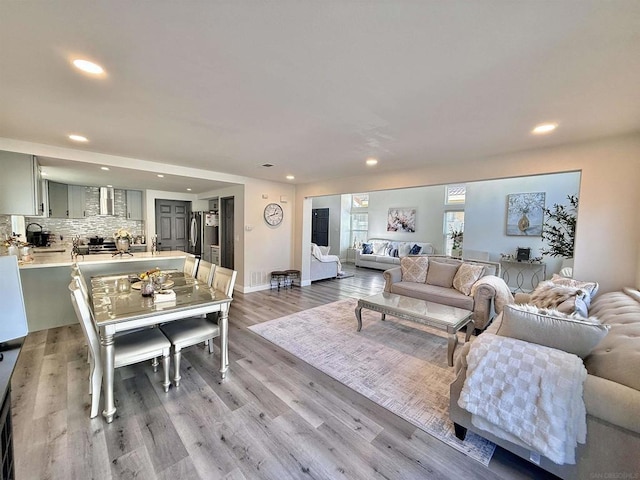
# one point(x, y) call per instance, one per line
point(226, 232)
point(172, 224)
point(320, 226)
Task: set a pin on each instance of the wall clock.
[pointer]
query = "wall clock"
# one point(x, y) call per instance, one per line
point(273, 214)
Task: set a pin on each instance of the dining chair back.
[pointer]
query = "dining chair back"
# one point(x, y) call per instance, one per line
point(129, 348)
point(205, 271)
point(76, 273)
point(190, 265)
point(224, 279)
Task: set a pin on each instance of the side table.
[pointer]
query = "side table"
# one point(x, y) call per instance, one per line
point(523, 274)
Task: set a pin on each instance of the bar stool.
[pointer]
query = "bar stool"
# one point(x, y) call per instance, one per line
point(278, 278)
point(291, 276)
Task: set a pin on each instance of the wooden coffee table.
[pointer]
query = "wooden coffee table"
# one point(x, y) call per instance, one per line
point(443, 317)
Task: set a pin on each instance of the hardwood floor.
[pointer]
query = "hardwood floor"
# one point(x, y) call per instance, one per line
point(274, 417)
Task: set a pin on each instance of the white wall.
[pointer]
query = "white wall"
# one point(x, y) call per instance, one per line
point(486, 212)
point(429, 205)
point(608, 231)
point(266, 248)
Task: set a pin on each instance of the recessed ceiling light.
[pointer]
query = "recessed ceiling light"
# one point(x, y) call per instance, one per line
point(544, 128)
point(78, 138)
point(188, 189)
point(160, 175)
point(372, 161)
point(87, 66)
point(290, 177)
point(109, 186)
point(44, 174)
point(106, 169)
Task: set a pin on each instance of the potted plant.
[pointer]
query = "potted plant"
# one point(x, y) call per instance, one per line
point(559, 229)
point(457, 236)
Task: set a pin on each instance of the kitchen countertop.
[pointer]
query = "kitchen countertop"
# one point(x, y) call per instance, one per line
point(43, 260)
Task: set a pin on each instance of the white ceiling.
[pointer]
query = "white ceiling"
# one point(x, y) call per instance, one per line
point(315, 88)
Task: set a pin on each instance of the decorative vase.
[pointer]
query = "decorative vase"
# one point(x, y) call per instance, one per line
point(523, 223)
point(122, 244)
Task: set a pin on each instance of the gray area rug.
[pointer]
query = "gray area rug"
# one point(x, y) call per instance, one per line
point(397, 364)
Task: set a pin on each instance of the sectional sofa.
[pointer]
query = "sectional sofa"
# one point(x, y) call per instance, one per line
point(611, 392)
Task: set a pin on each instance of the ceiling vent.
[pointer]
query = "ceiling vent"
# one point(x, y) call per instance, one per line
point(267, 165)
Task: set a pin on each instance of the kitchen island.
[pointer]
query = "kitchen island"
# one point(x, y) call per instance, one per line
point(45, 281)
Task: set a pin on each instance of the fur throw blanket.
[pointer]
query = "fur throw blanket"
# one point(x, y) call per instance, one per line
point(549, 294)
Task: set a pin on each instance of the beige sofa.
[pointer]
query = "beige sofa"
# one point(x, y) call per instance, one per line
point(481, 302)
point(387, 253)
point(611, 396)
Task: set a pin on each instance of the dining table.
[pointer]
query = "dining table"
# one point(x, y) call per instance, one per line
point(118, 306)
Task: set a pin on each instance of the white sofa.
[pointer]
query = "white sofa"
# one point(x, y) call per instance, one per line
point(387, 253)
point(323, 265)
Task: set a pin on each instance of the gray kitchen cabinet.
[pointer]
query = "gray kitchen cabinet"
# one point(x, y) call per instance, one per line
point(19, 184)
point(77, 201)
point(134, 204)
point(58, 200)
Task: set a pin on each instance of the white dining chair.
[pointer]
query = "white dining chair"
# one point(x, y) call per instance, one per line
point(190, 265)
point(205, 271)
point(186, 333)
point(129, 349)
point(224, 280)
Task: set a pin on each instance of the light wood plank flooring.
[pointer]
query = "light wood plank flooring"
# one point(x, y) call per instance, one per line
point(274, 417)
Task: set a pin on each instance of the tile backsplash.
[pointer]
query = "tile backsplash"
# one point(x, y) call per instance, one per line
point(90, 226)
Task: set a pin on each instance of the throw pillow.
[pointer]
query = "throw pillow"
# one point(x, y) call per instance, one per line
point(552, 329)
point(415, 250)
point(378, 247)
point(442, 274)
point(414, 269)
point(324, 250)
point(367, 248)
point(404, 249)
point(466, 276)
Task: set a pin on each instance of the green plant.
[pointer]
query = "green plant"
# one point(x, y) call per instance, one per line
point(559, 229)
point(457, 236)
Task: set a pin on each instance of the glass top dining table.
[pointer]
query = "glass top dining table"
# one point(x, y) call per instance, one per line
point(118, 305)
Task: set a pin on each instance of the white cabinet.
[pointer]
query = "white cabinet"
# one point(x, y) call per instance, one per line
point(134, 204)
point(58, 200)
point(19, 184)
point(77, 201)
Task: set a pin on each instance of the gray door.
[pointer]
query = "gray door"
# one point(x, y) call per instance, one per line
point(172, 224)
point(226, 229)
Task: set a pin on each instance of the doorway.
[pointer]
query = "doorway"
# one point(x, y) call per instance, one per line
point(172, 219)
point(320, 226)
point(226, 232)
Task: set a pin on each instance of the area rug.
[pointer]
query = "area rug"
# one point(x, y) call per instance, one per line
point(397, 364)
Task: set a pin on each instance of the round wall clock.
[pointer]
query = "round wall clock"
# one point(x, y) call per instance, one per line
point(273, 214)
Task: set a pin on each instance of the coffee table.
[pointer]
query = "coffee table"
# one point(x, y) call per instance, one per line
point(443, 317)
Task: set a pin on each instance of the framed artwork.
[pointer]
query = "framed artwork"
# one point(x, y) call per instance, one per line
point(401, 220)
point(525, 212)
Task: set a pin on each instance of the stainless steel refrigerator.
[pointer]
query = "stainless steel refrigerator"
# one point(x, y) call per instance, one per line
point(203, 232)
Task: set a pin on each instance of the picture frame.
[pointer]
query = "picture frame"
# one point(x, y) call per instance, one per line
point(525, 214)
point(401, 220)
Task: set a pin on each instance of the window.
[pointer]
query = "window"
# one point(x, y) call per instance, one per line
point(453, 222)
point(360, 200)
point(359, 228)
point(455, 194)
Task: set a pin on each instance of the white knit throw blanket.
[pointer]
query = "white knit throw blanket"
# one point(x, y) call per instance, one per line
point(527, 394)
point(503, 294)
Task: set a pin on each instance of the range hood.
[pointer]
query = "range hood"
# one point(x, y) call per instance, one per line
point(107, 202)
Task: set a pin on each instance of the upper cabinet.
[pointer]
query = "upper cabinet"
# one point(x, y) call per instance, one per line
point(134, 205)
point(58, 200)
point(77, 201)
point(19, 184)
